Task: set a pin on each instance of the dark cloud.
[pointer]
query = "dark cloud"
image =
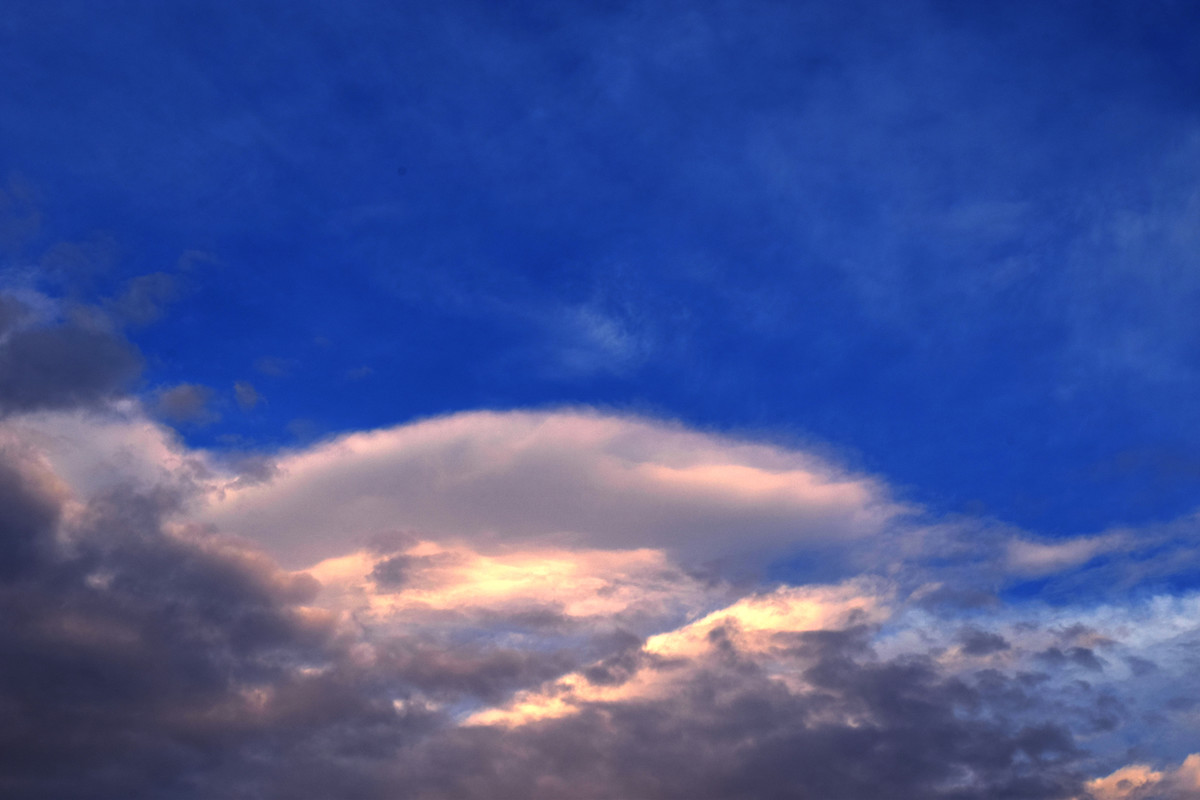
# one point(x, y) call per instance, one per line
point(868, 729)
point(976, 642)
point(456, 671)
point(1141, 667)
point(27, 517)
point(141, 664)
point(145, 660)
point(399, 571)
point(620, 667)
point(1083, 657)
point(136, 664)
point(62, 366)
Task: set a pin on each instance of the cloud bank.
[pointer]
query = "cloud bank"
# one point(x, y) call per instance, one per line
point(550, 605)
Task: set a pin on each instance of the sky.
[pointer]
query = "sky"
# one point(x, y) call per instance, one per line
point(600, 400)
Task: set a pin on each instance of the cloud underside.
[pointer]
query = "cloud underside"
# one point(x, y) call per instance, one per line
point(421, 612)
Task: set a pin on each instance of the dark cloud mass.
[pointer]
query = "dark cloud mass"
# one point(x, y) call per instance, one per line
point(868, 729)
point(60, 366)
point(146, 656)
point(141, 663)
point(137, 664)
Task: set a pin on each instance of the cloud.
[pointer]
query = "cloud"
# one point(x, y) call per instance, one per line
point(586, 341)
point(139, 661)
point(31, 505)
point(429, 581)
point(60, 365)
point(97, 450)
point(145, 298)
point(12, 312)
point(150, 652)
point(722, 726)
point(1140, 782)
point(246, 395)
point(553, 477)
point(76, 266)
point(761, 626)
point(186, 403)
point(1037, 558)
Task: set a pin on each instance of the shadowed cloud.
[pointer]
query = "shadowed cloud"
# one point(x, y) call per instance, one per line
point(63, 365)
point(148, 655)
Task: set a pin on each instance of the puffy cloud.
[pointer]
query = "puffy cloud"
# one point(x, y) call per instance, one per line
point(448, 646)
point(723, 726)
point(761, 628)
point(137, 660)
point(97, 450)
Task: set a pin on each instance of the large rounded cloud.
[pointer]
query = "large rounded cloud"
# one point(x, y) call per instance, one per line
point(576, 477)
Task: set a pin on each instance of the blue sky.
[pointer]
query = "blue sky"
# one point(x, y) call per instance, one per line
point(950, 246)
point(956, 243)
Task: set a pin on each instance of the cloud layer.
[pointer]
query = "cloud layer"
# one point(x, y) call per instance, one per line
point(543, 605)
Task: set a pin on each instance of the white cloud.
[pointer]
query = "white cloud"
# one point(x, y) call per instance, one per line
point(100, 449)
point(554, 477)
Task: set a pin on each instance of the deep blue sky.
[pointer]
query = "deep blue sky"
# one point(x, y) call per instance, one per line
point(957, 244)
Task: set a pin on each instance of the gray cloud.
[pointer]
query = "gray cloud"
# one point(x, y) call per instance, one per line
point(144, 663)
point(614, 482)
point(61, 366)
point(137, 664)
point(27, 513)
point(868, 728)
point(145, 656)
point(981, 643)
